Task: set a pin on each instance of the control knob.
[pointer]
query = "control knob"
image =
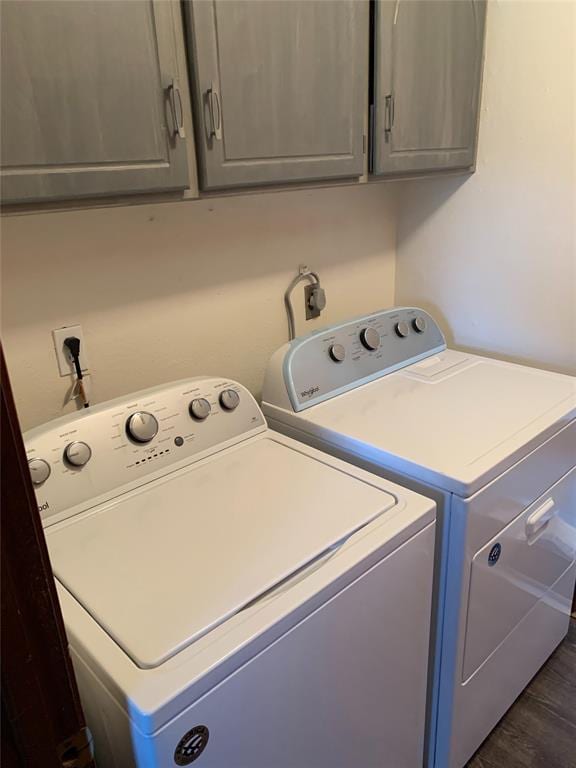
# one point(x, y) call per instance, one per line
point(419, 324)
point(39, 471)
point(370, 338)
point(337, 353)
point(402, 329)
point(77, 453)
point(142, 427)
point(199, 408)
point(229, 399)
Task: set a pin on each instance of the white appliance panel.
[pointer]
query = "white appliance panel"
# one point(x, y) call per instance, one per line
point(481, 409)
point(470, 709)
point(191, 550)
point(119, 463)
point(486, 438)
point(347, 684)
point(516, 568)
point(502, 500)
point(386, 339)
point(277, 593)
point(157, 695)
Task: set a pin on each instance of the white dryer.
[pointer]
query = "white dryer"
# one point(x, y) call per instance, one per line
point(231, 596)
point(495, 445)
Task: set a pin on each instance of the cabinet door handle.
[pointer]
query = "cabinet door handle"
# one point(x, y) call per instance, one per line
point(215, 127)
point(540, 518)
point(176, 109)
point(388, 113)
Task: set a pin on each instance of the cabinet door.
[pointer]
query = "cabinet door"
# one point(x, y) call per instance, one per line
point(90, 103)
point(428, 69)
point(280, 89)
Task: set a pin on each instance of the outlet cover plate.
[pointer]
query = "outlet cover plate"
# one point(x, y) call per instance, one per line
point(65, 364)
point(311, 312)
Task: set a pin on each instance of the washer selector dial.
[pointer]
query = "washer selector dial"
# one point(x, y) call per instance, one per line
point(229, 399)
point(419, 324)
point(370, 338)
point(39, 471)
point(199, 408)
point(77, 453)
point(142, 427)
point(402, 329)
point(337, 353)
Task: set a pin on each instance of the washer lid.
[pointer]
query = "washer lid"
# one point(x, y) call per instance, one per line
point(453, 419)
point(163, 565)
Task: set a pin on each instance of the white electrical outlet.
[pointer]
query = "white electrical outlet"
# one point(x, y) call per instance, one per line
point(65, 364)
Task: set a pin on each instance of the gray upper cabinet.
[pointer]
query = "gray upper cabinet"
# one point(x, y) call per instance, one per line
point(90, 100)
point(280, 89)
point(428, 71)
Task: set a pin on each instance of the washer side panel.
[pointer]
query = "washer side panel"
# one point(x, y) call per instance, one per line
point(346, 686)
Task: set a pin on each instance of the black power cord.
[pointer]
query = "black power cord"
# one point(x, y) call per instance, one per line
point(72, 344)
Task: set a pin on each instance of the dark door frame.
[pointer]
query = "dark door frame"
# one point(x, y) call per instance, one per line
point(42, 720)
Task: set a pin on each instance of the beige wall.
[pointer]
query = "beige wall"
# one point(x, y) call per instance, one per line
point(180, 289)
point(494, 255)
point(170, 290)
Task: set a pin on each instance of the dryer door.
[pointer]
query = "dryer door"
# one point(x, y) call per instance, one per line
point(517, 568)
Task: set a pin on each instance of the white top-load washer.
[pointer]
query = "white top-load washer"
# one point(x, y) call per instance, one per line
point(495, 445)
point(231, 596)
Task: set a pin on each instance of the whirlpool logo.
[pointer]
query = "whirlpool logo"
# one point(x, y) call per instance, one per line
point(43, 507)
point(309, 392)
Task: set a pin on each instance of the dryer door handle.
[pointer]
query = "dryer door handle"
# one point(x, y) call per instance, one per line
point(540, 518)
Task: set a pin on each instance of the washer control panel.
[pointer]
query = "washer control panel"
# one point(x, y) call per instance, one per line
point(344, 356)
point(97, 453)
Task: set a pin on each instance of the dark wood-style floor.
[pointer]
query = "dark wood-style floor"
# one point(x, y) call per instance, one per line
point(539, 731)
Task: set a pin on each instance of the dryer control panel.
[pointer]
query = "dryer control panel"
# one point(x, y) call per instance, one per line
point(339, 358)
point(83, 459)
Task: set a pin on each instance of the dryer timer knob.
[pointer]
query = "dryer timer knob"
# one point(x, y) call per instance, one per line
point(370, 338)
